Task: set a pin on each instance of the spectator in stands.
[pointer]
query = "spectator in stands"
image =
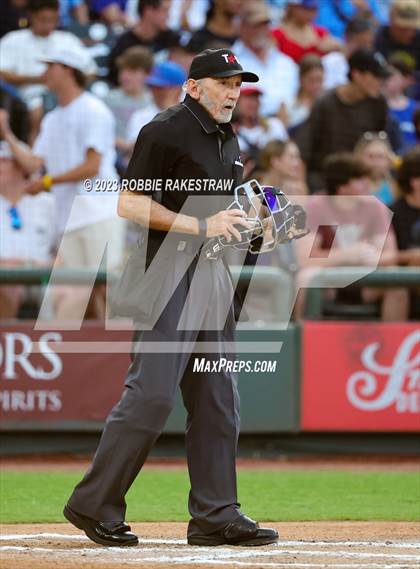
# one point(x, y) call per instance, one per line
point(14, 16)
point(282, 167)
point(298, 35)
point(375, 152)
point(341, 116)
point(256, 50)
point(22, 52)
point(401, 107)
point(336, 14)
point(76, 143)
point(351, 229)
point(14, 105)
point(406, 219)
point(26, 228)
point(73, 12)
point(311, 75)
point(402, 35)
point(183, 54)
point(253, 130)
point(130, 96)
point(187, 14)
point(111, 12)
point(151, 31)
point(221, 24)
point(165, 83)
point(359, 34)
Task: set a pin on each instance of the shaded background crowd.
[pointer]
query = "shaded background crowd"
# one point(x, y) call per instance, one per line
point(336, 113)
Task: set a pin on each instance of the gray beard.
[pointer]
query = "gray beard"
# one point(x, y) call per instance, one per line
point(209, 106)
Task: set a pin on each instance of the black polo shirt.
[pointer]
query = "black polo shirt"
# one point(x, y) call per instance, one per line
point(185, 143)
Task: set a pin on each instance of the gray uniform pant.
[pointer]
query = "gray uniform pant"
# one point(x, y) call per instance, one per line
point(211, 400)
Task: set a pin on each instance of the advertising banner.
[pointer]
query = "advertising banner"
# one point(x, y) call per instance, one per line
point(70, 380)
point(41, 385)
point(361, 376)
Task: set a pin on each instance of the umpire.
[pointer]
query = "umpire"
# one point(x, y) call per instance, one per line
point(188, 304)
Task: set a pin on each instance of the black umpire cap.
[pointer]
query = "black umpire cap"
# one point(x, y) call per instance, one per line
point(218, 63)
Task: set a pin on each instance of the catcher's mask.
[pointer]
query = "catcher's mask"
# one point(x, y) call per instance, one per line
point(271, 214)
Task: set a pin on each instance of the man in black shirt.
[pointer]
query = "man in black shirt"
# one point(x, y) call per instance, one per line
point(406, 220)
point(221, 27)
point(341, 116)
point(402, 35)
point(406, 223)
point(192, 142)
point(150, 31)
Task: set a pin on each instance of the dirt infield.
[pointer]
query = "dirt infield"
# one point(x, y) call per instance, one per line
point(306, 545)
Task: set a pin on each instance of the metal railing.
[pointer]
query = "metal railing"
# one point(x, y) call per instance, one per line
point(381, 278)
point(41, 276)
point(273, 280)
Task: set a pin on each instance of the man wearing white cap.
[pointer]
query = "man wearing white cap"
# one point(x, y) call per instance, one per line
point(75, 145)
point(22, 52)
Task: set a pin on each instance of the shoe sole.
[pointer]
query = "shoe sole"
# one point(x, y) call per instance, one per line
point(211, 541)
point(74, 519)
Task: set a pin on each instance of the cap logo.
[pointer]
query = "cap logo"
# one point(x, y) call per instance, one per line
point(229, 58)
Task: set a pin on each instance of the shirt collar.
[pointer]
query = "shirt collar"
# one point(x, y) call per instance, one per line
point(203, 117)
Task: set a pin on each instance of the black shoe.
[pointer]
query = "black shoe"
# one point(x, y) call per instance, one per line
point(242, 531)
point(117, 534)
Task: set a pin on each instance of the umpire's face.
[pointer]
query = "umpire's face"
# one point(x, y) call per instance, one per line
point(218, 95)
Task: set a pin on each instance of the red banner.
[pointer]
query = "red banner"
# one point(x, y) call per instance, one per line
point(44, 385)
point(361, 376)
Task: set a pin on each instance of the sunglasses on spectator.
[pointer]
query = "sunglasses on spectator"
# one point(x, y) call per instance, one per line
point(15, 218)
point(381, 135)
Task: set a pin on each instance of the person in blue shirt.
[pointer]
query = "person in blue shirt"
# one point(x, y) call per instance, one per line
point(73, 11)
point(401, 107)
point(335, 14)
point(110, 11)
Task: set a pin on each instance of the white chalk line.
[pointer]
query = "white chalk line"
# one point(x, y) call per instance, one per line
point(157, 541)
point(206, 561)
point(197, 555)
point(272, 564)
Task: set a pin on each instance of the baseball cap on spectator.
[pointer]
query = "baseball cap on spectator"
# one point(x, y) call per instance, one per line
point(405, 13)
point(369, 61)
point(166, 74)
point(256, 14)
point(5, 150)
point(219, 63)
point(75, 58)
point(310, 4)
point(251, 91)
point(403, 63)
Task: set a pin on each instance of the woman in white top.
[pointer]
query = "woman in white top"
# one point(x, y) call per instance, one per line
point(252, 129)
point(311, 75)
